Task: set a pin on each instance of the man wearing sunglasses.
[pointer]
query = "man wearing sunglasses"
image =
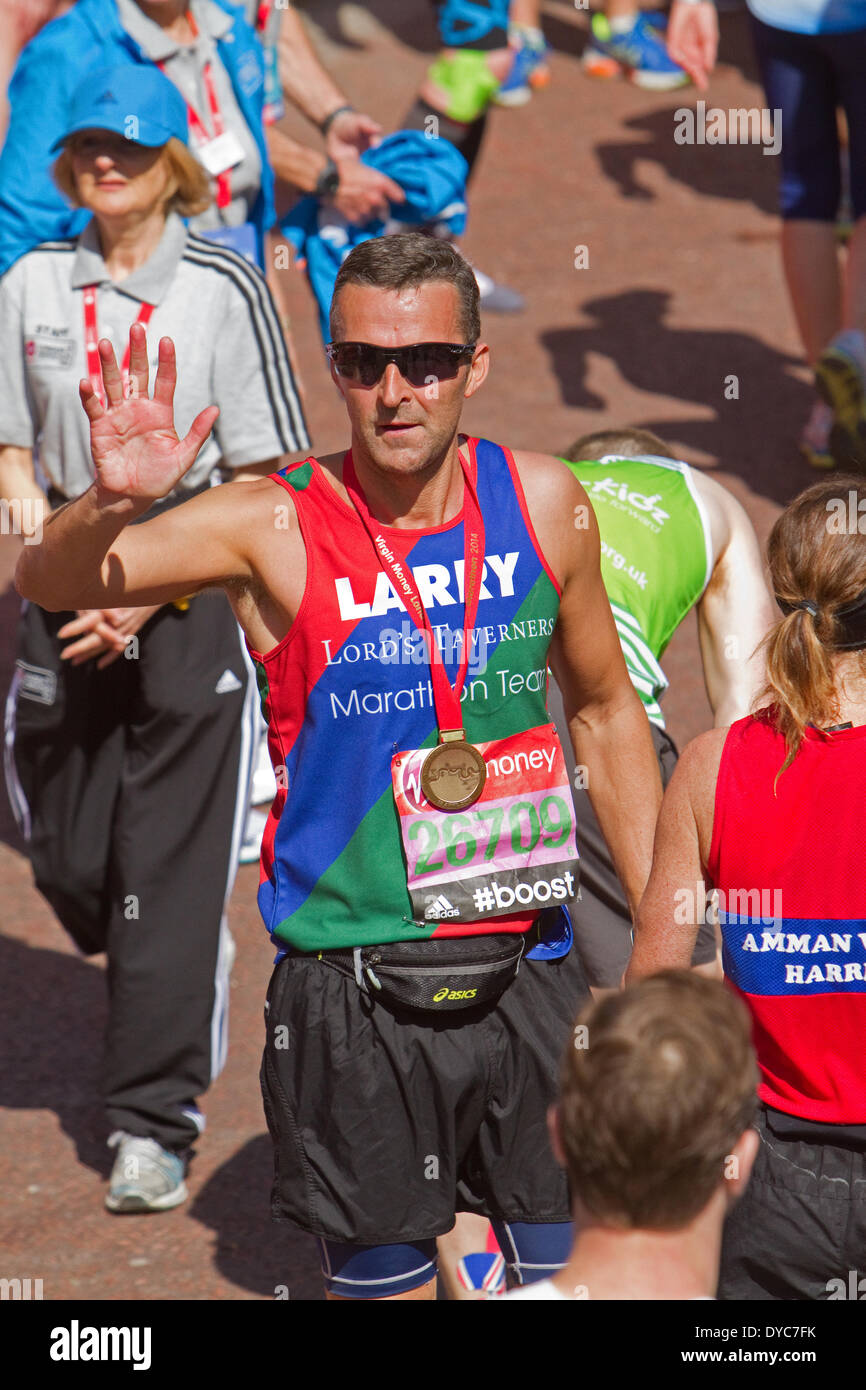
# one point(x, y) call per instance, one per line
point(401, 601)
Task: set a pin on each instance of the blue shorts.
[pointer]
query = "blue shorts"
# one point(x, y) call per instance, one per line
point(806, 76)
point(532, 1252)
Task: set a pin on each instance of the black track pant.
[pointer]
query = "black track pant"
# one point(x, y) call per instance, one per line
point(131, 785)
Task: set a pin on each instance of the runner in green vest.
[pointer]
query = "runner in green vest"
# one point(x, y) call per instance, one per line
point(672, 539)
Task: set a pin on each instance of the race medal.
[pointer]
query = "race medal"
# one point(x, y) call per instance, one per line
point(507, 847)
point(453, 775)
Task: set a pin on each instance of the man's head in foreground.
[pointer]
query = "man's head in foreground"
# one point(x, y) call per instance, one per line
point(406, 290)
point(653, 1127)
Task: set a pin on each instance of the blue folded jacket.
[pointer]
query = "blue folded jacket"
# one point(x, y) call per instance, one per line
point(432, 174)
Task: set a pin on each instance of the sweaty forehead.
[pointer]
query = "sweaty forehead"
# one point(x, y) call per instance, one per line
point(427, 313)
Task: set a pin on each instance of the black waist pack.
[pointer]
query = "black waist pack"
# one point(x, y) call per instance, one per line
point(435, 976)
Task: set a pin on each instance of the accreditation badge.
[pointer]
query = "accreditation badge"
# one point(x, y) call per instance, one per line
point(512, 850)
point(220, 153)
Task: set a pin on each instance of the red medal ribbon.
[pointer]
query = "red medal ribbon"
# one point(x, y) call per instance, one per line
point(91, 340)
point(449, 715)
point(224, 180)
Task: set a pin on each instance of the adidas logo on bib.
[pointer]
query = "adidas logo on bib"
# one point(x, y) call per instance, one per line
point(227, 681)
point(436, 908)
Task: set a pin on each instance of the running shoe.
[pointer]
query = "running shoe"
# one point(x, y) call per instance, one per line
point(840, 378)
point(640, 53)
point(530, 69)
point(145, 1176)
point(495, 298)
point(815, 439)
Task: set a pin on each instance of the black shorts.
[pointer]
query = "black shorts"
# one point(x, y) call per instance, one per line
point(799, 1230)
point(602, 921)
point(386, 1123)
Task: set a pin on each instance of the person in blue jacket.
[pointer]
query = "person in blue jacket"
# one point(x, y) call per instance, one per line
point(210, 53)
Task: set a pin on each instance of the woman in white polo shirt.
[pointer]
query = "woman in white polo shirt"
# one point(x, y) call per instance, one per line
point(129, 731)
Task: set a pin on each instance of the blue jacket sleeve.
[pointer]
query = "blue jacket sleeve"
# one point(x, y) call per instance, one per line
point(32, 209)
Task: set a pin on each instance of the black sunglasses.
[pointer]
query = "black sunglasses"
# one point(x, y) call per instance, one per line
point(417, 363)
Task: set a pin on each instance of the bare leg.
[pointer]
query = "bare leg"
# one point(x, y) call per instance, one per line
point(467, 1236)
point(525, 12)
point(811, 261)
point(854, 297)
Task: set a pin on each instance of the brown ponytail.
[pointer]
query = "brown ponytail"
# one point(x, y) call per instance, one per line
point(817, 554)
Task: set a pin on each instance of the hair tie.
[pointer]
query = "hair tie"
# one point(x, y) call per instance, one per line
point(810, 607)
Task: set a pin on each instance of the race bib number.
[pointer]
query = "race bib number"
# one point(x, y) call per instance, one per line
point(221, 153)
point(514, 850)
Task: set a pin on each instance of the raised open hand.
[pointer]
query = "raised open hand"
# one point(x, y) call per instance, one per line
point(134, 444)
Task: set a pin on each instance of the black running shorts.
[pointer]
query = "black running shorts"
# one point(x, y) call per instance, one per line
point(385, 1123)
point(799, 1229)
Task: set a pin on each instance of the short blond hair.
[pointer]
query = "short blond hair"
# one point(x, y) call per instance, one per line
point(191, 192)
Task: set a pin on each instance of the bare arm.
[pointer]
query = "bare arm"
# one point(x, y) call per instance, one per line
point(363, 192)
point(306, 83)
point(693, 39)
point(609, 728)
point(667, 921)
point(18, 479)
point(735, 611)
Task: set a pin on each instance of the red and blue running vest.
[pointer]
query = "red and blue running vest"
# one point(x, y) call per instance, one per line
point(350, 685)
point(792, 871)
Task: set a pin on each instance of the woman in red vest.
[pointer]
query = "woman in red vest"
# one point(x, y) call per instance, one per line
point(770, 813)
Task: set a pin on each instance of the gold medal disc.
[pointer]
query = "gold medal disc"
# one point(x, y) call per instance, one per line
point(453, 776)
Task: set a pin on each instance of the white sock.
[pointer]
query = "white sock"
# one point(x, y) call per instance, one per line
point(623, 23)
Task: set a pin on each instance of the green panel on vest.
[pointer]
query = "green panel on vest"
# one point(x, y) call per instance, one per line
point(300, 477)
point(263, 686)
point(653, 557)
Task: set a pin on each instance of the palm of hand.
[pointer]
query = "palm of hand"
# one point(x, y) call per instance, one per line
point(136, 450)
point(135, 447)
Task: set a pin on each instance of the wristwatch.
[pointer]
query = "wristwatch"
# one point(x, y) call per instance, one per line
point(328, 181)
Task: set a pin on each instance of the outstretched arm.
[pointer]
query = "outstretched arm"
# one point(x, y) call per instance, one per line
point(609, 728)
point(87, 557)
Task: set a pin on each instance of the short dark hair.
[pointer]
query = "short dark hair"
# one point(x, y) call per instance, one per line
point(404, 261)
point(627, 443)
point(654, 1096)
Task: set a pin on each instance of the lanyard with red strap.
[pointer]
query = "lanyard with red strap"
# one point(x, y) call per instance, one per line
point(449, 716)
point(198, 127)
point(91, 340)
point(263, 14)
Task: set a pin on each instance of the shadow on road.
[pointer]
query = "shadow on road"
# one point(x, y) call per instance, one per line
point(753, 435)
point(51, 1041)
point(274, 1260)
point(740, 172)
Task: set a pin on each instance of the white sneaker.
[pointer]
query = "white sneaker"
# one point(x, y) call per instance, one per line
point(497, 299)
point(145, 1176)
